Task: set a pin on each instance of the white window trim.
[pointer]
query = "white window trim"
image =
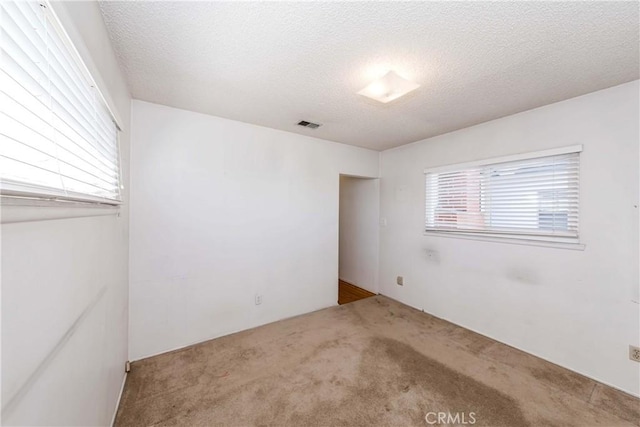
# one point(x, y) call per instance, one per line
point(504, 159)
point(24, 209)
point(573, 243)
point(547, 242)
point(12, 192)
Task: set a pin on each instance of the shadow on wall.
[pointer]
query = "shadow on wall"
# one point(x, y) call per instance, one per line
point(42, 366)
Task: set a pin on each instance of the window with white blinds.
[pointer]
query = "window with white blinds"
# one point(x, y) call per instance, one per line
point(530, 195)
point(57, 137)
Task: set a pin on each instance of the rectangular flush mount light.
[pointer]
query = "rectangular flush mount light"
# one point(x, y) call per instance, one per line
point(388, 87)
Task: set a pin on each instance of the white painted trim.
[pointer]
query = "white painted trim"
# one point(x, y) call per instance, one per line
point(517, 348)
point(41, 210)
point(576, 246)
point(24, 191)
point(115, 412)
point(224, 334)
point(505, 159)
point(538, 356)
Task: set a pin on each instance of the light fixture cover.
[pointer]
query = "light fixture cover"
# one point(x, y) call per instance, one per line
point(388, 87)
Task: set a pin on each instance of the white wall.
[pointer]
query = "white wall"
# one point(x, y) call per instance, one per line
point(573, 308)
point(64, 281)
point(359, 231)
point(222, 210)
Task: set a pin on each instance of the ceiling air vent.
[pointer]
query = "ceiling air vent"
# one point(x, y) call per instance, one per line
point(309, 124)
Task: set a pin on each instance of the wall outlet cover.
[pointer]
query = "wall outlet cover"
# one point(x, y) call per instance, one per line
point(400, 280)
point(634, 353)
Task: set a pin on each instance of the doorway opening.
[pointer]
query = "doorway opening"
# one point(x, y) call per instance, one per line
point(358, 238)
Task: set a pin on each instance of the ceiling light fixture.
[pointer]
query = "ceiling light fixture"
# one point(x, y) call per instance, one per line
point(388, 87)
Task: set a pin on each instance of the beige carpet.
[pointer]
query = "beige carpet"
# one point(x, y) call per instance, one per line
point(372, 362)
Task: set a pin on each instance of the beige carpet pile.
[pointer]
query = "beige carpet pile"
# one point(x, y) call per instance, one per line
point(372, 362)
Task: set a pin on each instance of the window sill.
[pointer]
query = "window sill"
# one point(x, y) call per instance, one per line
point(575, 246)
point(14, 210)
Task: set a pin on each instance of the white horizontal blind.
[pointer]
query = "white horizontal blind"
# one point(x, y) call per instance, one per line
point(536, 196)
point(57, 137)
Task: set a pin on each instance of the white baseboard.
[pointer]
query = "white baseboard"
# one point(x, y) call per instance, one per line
point(115, 412)
point(633, 393)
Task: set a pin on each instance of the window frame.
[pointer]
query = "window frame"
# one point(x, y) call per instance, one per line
point(17, 193)
point(533, 238)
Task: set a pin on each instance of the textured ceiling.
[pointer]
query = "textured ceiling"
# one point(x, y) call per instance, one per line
point(274, 64)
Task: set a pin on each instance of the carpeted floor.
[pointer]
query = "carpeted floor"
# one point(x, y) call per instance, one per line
point(372, 362)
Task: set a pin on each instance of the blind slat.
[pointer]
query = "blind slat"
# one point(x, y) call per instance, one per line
point(57, 133)
point(96, 188)
point(28, 116)
point(66, 158)
point(535, 196)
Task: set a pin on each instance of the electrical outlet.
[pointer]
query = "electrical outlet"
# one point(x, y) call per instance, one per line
point(634, 353)
point(258, 299)
point(400, 281)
